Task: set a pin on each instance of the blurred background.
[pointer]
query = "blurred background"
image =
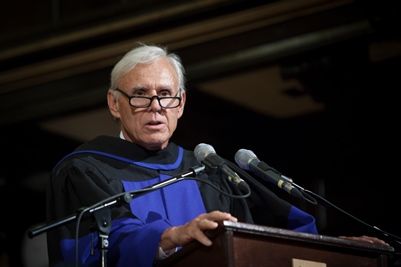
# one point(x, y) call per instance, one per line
point(309, 85)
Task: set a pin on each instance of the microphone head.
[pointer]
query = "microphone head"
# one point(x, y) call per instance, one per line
point(202, 150)
point(243, 157)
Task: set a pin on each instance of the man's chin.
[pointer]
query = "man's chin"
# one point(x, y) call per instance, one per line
point(156, 144)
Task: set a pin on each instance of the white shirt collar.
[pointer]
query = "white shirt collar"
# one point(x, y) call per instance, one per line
point(121, 135)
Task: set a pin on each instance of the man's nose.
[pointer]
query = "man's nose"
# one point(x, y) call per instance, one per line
point(155, 103)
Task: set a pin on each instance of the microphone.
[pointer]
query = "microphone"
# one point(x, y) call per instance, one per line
point(206, 155)
point(247, 160)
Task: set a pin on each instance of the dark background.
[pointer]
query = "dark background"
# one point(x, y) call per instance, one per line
point(56, 56)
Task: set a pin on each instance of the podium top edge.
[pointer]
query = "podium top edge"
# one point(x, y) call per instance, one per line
point(240, 227)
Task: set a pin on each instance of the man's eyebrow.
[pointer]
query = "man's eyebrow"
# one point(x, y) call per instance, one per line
point(144, 88)
point(139, 88)
point(165, 88)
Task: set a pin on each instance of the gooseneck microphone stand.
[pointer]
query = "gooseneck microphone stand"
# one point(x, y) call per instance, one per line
point(102, 212)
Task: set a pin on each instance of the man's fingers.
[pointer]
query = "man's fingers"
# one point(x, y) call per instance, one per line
point(218, 216)
point(202, 238)
point(206, 224)
point(364, 238)
point(197, 228)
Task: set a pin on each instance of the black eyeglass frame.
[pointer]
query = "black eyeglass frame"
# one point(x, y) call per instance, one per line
point(151, 99)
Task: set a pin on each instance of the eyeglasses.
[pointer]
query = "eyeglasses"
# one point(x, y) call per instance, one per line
point(146, 101)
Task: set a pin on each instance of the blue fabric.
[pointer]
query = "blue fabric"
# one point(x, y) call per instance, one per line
point(127, 235)
point(136, 245)
point(301, 221)
point(172, 205)
point(84, 244)
point(178, 203)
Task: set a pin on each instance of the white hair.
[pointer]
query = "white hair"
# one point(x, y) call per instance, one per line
point(146, 54)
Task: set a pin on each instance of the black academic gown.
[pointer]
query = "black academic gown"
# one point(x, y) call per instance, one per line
point(107, 166)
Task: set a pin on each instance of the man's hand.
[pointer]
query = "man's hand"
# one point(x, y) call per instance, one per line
point(193, 230)
point(365, 238)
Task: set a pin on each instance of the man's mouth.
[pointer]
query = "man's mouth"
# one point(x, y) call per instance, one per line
point(155, 125)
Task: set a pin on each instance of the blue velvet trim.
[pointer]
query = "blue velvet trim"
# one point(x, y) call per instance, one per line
point(154, 166)
point(300, 221)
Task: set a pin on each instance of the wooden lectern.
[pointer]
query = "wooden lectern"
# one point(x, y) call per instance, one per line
point(249, 245)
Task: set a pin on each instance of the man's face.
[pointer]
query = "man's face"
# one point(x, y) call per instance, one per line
point(153, 126)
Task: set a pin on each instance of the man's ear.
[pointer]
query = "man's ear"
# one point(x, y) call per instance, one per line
point(112, 102)
point(182, 105)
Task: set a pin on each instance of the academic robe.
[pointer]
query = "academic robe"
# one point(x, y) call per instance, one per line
point(107, 166)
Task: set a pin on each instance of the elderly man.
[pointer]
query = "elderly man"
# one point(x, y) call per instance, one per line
point(147, 96)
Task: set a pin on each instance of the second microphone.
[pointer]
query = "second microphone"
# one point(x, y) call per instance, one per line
point(206, 155)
